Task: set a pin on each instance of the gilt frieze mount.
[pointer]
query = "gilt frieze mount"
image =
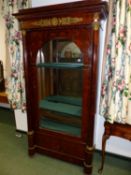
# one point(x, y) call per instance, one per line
point(52, 22)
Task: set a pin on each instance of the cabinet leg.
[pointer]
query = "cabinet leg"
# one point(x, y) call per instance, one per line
point(88, 160)
point(104, 139)
point(31, 151)
point(31, 148)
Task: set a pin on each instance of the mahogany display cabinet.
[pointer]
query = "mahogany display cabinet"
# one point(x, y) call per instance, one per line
point(61, 44)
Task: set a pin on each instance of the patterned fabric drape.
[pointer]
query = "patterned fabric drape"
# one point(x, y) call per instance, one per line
point(115, 103)
point(15, 86)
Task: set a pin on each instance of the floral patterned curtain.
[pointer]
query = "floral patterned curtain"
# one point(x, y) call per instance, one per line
point(115, 103)
point(15, 86)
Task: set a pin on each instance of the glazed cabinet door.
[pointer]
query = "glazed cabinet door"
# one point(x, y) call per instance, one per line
point(59, 80)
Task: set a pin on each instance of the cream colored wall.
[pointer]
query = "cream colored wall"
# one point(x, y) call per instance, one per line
point(2, 41)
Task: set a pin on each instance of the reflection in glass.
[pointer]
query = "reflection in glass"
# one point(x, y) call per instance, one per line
point(59, 65)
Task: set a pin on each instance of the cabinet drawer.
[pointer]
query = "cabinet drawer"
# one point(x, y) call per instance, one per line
point(61, 145)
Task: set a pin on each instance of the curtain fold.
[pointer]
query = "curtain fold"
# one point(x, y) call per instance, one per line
point(115, 103)
point(15, 85)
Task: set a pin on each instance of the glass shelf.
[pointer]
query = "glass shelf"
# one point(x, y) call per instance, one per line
point(61, 65)
point(65, 99)
point(60, 127)
point(61, 107)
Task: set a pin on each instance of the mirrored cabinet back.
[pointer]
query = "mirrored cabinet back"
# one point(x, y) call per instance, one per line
point(61, 44)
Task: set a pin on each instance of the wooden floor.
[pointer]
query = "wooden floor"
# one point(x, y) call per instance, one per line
point(3, 98)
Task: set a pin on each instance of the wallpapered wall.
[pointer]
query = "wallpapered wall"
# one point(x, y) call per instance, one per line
point(48, 2)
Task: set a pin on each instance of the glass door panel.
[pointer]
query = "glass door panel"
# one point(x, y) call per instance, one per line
point(59, 68)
